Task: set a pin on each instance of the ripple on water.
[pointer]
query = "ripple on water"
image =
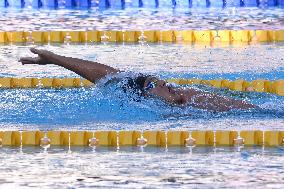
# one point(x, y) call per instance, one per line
point(109, 108)
point(147, 19)
point(129, 167)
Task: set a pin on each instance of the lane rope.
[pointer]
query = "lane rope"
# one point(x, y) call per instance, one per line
point(103, 4)
point(259, 85)
point(209, 37)
point(152, 138)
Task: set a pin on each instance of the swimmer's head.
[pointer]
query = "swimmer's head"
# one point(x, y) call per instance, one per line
point(154, 86)
point(136, 85)
point(147, 85)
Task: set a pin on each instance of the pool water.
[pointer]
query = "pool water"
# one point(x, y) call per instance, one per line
point(28, 19)
point(133, 167)
point(108, 108)
point(165, 59)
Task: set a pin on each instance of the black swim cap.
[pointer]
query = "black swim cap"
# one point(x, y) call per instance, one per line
point(136, 85)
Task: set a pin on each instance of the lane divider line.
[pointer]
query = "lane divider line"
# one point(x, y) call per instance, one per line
point(259, 85)
point(210, 37)
point(153, 138)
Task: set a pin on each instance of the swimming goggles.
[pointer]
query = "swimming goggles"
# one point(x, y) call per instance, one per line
point(151, 85)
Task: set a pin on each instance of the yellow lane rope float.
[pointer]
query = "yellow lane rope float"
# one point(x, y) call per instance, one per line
point(259, 85)
point(8, 82)
point(151, 138)
point(190, 36)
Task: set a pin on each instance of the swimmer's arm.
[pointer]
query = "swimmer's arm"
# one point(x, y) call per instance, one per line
point(92, 71)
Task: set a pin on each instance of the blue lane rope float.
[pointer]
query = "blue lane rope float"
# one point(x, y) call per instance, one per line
point(140, 3)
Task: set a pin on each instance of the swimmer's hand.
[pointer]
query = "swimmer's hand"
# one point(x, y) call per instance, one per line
point(41, 59)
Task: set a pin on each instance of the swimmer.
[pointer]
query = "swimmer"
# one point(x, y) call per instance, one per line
point(147, 86)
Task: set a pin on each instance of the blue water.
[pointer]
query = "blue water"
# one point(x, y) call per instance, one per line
point(143, 19)
point(103, 4)
point(257, 61)
point(88, 108)
point(133, 167)
point(108, 107)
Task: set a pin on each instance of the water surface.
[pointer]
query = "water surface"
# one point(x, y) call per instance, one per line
point(110, 108)
point(29, 19)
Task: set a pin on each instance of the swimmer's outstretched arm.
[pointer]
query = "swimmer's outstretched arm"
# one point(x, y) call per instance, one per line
point(92, 71)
